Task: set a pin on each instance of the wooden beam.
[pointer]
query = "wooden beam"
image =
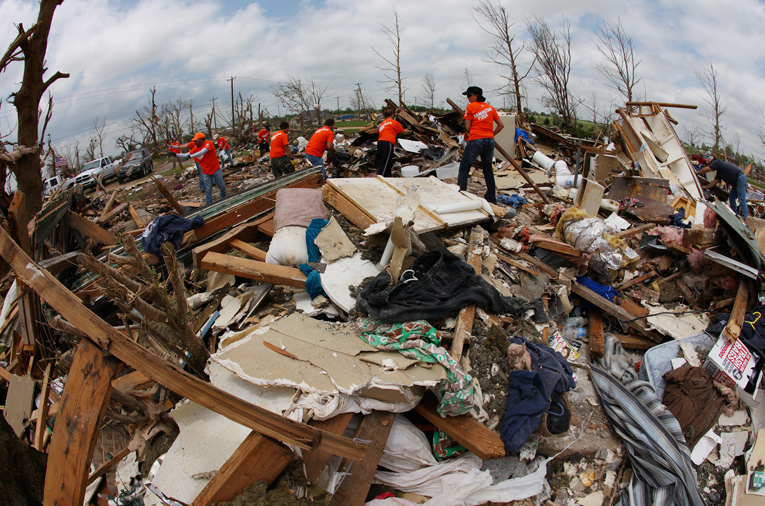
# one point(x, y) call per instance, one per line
point(464, 328)
point(43, 415)
point(635, 342)
point(248, 249)
point(253, 269)
point(354, 488)
point(464, 429)
point(84, 402)
point(247, 232)
point(315, 461)
point(340, 201)
point(136, 219)
point(597, 337)
point(661, 104)
point(111, 214)
point(634, 281)
point(169, 196)
point(634, 230)
point(267, 227)
point(519, 265)
point(91, 230)
point(258, 458)
point(109, 204)
point(737, 314)
point(115, 342)
point(106, 466)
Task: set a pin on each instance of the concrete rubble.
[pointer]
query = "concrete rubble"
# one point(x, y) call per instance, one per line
point(370, 340)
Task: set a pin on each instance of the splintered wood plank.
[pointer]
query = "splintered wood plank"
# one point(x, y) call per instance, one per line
point(114, 212)
point(316, 460)
point(84, 402)
point(352, 211)
point(353, 490)
point(109, 204)
point(258, 458)
point(597, 337)
point(737, 314)
point(115, 342)
point(44, 407)
point(635, 342)
point(464, 328)
point(267, 227)
point(253, 269)
point(169, 196)
point(91, 230)
point(464, 429)
point(134, 214)
point(248, 249)
point(246, 233)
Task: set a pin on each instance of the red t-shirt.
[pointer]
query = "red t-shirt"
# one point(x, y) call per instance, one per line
point(279, 143)
point(483, 117)
point(263, 135)
point(318, 143)
point(222, 143)
point(209, 161)
point(389, 129)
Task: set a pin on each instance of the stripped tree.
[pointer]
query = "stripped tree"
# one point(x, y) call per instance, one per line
point(707, 78)
point(23, 158)
point(429, 90)
point(505, 52)
point(552, 51)
point(392, 68)
point(618, 49)
point(301, 97)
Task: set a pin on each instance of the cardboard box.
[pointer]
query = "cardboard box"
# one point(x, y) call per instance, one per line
point(731, 363)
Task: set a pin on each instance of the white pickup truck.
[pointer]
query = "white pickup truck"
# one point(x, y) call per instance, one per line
point(104, 167)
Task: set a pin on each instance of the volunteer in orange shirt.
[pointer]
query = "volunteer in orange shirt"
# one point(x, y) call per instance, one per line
point(222, 144)
point(263, 137)
point(480, 118)
point(193, 149)
point(322, 140)
point(280, 151)
point(388, 130)
point(175, 148)
point(208, 161)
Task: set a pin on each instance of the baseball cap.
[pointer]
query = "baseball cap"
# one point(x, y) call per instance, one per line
point(198, 135)
point(473, 90)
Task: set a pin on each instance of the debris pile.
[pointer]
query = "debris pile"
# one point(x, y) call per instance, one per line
point(595, 337)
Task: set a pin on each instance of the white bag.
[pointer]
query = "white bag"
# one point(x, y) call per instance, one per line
point(288, 247)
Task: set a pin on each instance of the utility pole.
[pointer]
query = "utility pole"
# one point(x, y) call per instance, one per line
point(233, 122)
point(191, 113)
point(215, 120)
point(338, 105)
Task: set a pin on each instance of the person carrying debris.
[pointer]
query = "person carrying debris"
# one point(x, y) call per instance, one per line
point(322, 140)
point(281, 153)
point(388, 130)
point(263, 137)
point(208, 161)
point(479, 122)
point(224, 146)
point(735, 178)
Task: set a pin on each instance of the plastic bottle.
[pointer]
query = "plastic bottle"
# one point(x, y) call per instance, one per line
point(574, 321)
point(574, 332)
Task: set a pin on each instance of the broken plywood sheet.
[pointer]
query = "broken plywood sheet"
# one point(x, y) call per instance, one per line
point(307, 354)
point(677, 326)
point(333, 243)
point(512, 180)
point(378, 198)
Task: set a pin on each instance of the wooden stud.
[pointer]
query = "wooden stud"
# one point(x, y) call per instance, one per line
point(254, 269)
point(169, 196)
point(464, 328)
point(353, 490)
point(106, 466)
point(258, 458)
point(315, 461)
point(597, 337)
point(246, 233)
point(134, 214)
point(248, 249)
point(84, 402)
point(111, 214)
point(738, 313)
point(91, 230)
point(43, 410)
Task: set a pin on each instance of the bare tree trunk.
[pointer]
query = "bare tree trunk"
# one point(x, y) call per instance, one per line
point(27, 103)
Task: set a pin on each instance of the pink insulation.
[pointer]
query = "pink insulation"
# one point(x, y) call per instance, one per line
point(669, 235)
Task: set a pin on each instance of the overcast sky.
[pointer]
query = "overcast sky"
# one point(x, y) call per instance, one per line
point(116, 50)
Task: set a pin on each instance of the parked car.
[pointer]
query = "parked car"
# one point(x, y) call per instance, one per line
point(138, 164)
point(109, 167)
point(53, 183)
point(87, 178)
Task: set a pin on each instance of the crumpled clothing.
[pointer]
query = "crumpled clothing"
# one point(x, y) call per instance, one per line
point(530, 392)
point(434, 287)
point(523, 134)
point(313, 281)
point(630, 202)
point(605, 291)
point(515, 201)
point(419, 340)
point(692, 397)
point(677, 218)
point(169, 228)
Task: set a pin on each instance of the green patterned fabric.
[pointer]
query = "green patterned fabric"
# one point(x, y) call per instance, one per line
point(419, 340)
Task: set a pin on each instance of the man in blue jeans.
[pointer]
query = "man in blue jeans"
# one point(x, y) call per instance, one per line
point(736, 179)
point(480, 118)
point(208, 161)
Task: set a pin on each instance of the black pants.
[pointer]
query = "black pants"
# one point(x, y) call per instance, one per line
point(385, 154)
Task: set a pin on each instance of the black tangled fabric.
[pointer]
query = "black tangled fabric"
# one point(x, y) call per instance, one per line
point(168, 228)
point(433, 288)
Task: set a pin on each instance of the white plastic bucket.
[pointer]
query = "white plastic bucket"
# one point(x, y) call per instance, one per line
point(410, 171)
point(448, 171)
point(542, 160)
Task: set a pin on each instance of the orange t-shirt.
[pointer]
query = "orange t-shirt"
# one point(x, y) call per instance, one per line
point(483, 117)
point(318, 143)
point(389, 129)
point(279, 143)
point(222, 143)
point(175, 148)
point(263, 135)
point(209, 161)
